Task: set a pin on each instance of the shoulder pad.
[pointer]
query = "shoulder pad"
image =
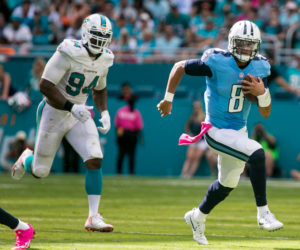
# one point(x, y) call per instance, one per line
point(72, 48)
point(207, 53)
point(260, 57)
point(262, 65)
point(212, 53)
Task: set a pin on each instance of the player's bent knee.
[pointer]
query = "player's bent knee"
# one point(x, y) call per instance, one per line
point(40, 172)
point(223, 191)
point(93, 163)
point(257, 156)
point(226, 190)
point(230, 183)
point(231, 178)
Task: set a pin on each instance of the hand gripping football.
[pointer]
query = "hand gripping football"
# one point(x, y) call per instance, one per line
point(249, 97)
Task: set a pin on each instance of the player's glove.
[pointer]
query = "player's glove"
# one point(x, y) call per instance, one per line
point(81, 112)
point(105, 120)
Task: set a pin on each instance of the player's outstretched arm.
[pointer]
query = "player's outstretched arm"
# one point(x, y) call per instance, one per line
point(165, 105)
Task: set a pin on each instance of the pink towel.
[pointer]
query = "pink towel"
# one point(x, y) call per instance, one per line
point(185, 139)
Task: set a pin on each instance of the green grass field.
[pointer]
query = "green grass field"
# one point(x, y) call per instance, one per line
point(147, 213)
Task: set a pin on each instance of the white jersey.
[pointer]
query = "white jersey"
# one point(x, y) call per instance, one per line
point(75, 73)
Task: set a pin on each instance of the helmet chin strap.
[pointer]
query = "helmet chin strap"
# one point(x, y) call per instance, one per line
point(241, 64)
point(242, 58)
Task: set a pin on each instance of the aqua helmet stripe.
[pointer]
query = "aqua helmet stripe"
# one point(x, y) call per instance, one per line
point(103, 21)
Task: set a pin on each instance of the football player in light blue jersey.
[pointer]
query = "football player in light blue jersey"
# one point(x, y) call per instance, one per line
point(227, 110)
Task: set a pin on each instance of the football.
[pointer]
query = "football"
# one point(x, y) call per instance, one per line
point(249, 97)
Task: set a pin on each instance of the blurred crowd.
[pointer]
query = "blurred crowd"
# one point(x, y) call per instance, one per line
point(148, 30)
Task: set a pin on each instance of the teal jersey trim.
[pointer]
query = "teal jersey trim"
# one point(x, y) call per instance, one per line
point(225, 149)
point(28, 164)
point(39, 116)
point(103, 21)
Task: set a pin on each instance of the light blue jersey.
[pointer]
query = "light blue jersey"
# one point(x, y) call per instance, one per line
point(226, 106)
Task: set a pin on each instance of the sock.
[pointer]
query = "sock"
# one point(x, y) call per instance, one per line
point(198, 215)
point(261, 210)
point(22, 226)
point(93, 181)
point(8, 220)
point(258, 176)
point(94, 201)
point(214, 195)
point(28, 163)
point(93, 187)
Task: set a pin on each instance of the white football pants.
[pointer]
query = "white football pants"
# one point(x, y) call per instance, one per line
point(233, 148)
point(52, 125)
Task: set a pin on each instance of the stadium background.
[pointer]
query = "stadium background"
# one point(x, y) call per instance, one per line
point(144, 58)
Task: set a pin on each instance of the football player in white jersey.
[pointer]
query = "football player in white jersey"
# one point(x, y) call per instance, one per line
point(75, 69)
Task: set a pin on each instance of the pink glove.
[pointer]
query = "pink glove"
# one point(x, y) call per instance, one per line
point(185, 139)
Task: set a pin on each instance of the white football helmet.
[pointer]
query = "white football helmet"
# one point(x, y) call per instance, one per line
point(96, 33)
point(244, 40)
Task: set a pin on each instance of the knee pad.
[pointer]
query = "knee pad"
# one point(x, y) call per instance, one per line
point(225, 190)
point(41, 172)
point(230, 172)
point(220, 190)
point(257, 157)
point(231, 182)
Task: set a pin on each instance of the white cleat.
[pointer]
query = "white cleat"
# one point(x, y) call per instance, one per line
point(18, 170)
point(96, 223)
point(269, 222)
point(198, 227)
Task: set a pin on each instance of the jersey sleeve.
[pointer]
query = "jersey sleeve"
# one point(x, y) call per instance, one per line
point(196, 67)
point(108, 58)
point(262, 66)
point(267, 68)
point(56, 67)
point(102, 81)
point(266, 82)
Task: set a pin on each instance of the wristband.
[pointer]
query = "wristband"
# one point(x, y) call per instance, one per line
point(105, 112)
point(68, 105)
point(169, 97)
point(264, 100)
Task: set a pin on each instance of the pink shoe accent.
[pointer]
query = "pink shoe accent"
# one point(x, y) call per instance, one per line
point(24, 237)
point(185, 139)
